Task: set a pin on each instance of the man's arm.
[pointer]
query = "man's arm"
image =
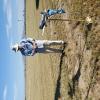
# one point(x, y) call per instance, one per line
point(30, 39)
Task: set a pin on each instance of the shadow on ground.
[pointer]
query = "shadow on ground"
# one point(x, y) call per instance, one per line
point(57, 92)
point(37, 4)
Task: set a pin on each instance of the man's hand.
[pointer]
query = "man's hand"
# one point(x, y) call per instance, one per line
point(34, 45)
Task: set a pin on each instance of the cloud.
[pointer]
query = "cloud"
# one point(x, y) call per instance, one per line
point(5, 92)
point(9, 20)
point(11, 31)
point(5, 5)
point(15, 91)
point(8, 13)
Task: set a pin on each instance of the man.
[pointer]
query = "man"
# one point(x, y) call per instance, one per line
point(29, 46)
point(51, 12)
point(43, 20)
point(48, 13)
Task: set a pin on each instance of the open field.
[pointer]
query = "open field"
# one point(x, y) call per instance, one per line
point(40, 76)
point(74, 73)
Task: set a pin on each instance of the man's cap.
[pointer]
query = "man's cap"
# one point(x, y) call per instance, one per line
point(15, 47)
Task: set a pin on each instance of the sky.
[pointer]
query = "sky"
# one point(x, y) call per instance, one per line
point(12, 80)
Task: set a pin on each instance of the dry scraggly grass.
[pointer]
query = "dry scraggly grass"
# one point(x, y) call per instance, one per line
point(74, 74)
point(79, 71)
